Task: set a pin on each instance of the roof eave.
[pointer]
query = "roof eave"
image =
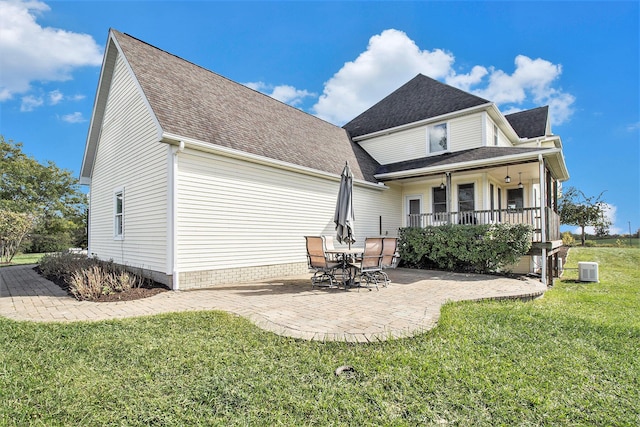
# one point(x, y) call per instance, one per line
point(559, 168)
point(208, 147)
point(97, 113)
point(112, 51)
point(435, 119)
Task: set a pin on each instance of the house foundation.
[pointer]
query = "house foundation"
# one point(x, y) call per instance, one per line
point(210, 278)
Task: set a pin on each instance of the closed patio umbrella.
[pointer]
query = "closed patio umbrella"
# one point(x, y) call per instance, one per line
point(344, 217)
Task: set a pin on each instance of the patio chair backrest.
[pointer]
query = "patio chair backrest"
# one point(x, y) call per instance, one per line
point(328, 243)
point(389, 246)
point(315, 252)
point(372, 252)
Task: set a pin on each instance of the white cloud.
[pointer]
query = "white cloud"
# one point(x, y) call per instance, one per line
point(31, 53)
point(30, 103)
point(391, 59)
point(73, 118)
point(55, 97)
point(610, 214)
point(633, 127)
point(531, 81)
point(465, 81)
point(284, 93)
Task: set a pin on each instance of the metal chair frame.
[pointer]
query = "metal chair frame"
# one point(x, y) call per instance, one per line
point(368, 267)
point(323, 267)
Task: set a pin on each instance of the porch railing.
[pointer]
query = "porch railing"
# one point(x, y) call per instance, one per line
point(531, 216)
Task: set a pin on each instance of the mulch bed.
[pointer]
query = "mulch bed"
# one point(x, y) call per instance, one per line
point(146, 291)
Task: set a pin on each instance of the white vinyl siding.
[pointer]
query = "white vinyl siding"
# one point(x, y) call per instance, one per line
point(234, 214)
point(490, 135)
point(398, 146)
point(129, 156)
point(465, 132)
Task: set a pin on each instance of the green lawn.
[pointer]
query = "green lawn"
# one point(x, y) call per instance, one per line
point(24, 259)
point(570, 358)
point(613, 241)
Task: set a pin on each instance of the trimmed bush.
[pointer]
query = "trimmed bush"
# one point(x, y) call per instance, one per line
point(486, 248)
point(88, 278)
point(568, 239)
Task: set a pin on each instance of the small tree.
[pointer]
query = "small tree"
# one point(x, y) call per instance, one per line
point(13, 227)
point(577, 209)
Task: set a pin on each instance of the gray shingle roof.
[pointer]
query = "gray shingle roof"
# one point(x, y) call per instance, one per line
point(530, 123)
point(420, 98)
point(451, 159)
point(193, 102)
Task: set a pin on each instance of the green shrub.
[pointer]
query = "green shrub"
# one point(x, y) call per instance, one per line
point(568, 239)
point(88, 278)
point(590, 243)
point(470, 248)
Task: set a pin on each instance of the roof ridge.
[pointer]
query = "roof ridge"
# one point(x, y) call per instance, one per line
point(221, 76)
point(529, 110)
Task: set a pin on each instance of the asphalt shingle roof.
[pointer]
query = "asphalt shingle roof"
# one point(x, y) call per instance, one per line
point(420, 98)
point(193, 102)
point(472, 154)
point(530, 123)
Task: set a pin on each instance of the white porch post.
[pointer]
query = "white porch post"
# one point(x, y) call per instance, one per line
point(543, 216)
point(448, 190)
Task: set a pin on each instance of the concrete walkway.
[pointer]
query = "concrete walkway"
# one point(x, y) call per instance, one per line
point(288, 306)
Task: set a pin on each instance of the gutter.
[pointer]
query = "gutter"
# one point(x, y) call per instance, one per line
point(176, 140)
point(532, 155)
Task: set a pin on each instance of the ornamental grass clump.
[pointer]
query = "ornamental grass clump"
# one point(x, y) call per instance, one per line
point(88, 278)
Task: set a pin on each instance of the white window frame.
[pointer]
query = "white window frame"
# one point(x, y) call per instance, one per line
point(118, 217)
point(430, 130)
point(496, 135)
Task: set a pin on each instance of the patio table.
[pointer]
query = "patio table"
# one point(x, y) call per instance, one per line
point(345, 256)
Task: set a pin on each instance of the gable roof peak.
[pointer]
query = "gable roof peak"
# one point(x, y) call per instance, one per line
point(531, 123)
point(419, 99)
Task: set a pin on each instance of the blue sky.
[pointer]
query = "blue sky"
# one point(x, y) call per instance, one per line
point(335, 59)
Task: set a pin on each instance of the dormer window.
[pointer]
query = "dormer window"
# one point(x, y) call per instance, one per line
point(437, 138)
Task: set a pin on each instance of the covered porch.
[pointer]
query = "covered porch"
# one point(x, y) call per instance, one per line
point(489, 185)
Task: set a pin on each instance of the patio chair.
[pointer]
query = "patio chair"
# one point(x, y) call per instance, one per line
point(323, 267)
point(368, 267)
point(329, 246)
point(390, 257)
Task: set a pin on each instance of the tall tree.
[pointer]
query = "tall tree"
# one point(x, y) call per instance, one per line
point(578, 209)
point(49, 194)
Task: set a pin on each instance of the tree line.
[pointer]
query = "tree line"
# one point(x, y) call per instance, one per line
point(42, 208)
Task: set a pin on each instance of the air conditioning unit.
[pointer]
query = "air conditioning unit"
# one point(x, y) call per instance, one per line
point(588, 271)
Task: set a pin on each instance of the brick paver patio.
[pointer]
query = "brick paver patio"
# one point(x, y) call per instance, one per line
point(287, 306)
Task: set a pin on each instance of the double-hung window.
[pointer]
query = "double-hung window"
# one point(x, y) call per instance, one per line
point(466, 198)
point(439, 203)
point(466, 204)
point(437, 138)
point(118, 214)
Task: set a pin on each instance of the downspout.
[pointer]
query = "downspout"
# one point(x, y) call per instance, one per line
point(174, 215)
point(543, 216)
